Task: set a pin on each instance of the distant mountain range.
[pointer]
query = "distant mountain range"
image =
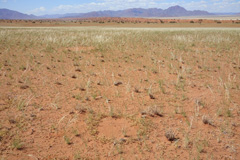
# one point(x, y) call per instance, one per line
point(9, 14)
point(226, 14)
point(174, 11)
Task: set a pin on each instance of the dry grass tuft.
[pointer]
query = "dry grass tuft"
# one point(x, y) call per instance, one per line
point(170, 135)
point(207, 120)
point(81, 109)
point(152, 111)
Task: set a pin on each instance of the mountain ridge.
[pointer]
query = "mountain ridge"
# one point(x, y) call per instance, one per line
point(174, 11)
point(11, 14)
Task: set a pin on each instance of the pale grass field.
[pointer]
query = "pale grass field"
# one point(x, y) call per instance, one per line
point(153, 81)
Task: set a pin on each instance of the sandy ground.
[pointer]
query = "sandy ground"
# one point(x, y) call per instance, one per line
point(119, 93)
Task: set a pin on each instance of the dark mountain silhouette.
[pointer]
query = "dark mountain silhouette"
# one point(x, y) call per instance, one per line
point(175, 11)
point(10, 14)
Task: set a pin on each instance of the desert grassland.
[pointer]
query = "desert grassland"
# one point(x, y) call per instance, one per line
point(119, 93)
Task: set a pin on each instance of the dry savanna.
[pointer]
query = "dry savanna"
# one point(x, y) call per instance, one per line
point(109, 92)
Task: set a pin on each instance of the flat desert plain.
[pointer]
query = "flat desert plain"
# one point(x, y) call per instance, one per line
point(105, 92)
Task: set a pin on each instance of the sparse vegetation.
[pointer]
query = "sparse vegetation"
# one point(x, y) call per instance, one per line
point(17, 144)
point(67, 140)
point(170, 135)
point(153, 111)
point(112, 92)
point(207, 120)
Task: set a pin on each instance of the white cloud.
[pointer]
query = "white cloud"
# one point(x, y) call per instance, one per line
point(196, 5)
point(110, 5)
point(100, 5)
point(37, 11)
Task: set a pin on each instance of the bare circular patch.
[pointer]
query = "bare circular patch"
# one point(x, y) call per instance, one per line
point(116, 128)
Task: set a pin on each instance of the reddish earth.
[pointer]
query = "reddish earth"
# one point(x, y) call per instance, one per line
point(123, 22)
point(120, 102)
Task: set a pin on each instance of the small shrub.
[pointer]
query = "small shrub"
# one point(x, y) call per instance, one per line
point(170, 135)
point(81, 108)
point(67, 140)
point(152, 111)
point(207, 120)
point(229, 113)
point(17, 143)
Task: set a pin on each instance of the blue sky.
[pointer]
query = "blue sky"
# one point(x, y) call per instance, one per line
point(41, 7)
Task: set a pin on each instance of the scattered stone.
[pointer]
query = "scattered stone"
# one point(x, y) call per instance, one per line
point(87, 99)
point(74, 76)
point(20, 81)
point(33, 116)
point(98, 97)
point(82, 89)
point(12, 121)
point(32, 131)
point(136, 90)
point(151, 96)
point(71, 112)
point(117, 83)
point(154, 72)
point(24, 87)
point(58, 83)
point(78, 70)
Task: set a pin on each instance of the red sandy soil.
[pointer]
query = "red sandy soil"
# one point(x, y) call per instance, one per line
point(123, 22)
point(55, 115)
